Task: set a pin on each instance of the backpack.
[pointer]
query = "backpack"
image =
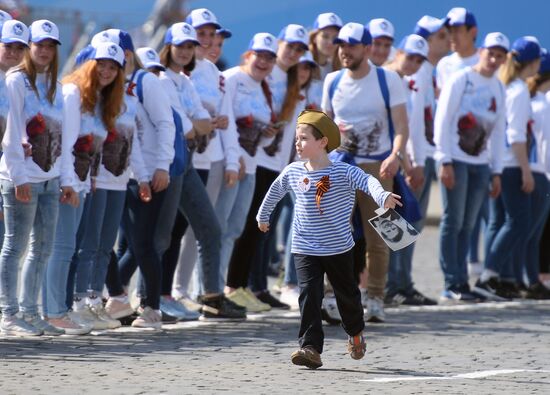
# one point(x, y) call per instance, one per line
point(181, 151)
point(411, 209)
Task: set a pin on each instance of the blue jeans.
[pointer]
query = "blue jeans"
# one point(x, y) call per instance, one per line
point(232, 208)
point(527, 258)
point(101, 219)
point(461, 207)
point(54, 286)
point(400, 268)
point(36, 220)
point(509, 222)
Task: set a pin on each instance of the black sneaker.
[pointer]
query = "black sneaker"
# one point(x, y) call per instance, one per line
point(488, 289)
point(417, 299)
point(275, 303)
point(219, 307)
point(508, 290)
point(537, 291)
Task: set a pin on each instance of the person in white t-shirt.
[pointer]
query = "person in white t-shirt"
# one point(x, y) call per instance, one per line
point(463, 32)
point(539, 86)
point(382, 33)
point(510, 215)
point(411, 54)
point(469, 137)
point(356, 103)
point(321, 43)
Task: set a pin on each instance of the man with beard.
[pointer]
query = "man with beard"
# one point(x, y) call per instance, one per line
point(354, 98)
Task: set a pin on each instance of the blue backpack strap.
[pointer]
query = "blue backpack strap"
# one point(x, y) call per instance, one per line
point(334, 83)
point(386, 95)
point(139, 85)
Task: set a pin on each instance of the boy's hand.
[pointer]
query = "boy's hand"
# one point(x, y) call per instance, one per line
point(263, 226)
point(392, 201)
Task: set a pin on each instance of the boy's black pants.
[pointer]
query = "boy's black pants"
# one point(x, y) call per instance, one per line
point(339, 269)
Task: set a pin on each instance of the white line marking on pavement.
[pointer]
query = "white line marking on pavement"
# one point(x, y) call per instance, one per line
point(473, 375)
point(467, 307)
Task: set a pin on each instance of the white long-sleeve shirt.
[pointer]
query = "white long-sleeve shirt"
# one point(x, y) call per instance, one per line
point(121, 152)
point(4, 104)
point(32, 119)
point(277, 81)
point(247, 99)
point(420, 104)
point(518, 117)
point(78, 125)
point(452, 63)
point(541, 130)
point(468, 92)
point(155, 125)
point(329, 232)
point(210, 85)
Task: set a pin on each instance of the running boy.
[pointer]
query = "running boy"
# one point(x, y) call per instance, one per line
point(322, 239)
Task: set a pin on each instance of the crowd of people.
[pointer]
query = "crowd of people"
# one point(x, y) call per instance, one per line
point(154, 159)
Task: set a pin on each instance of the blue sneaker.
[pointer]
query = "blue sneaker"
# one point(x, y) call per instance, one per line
point(173, 308)
point(452, 296)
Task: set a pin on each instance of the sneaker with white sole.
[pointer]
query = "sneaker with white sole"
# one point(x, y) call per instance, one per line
point(100, 312)
point(15, 326)
point(82, 315)
point(173, 308)
point(357, 346)
point(375, 310)
point(118, 309)
point(47, 329)
point(261, 306)
point(290, 295)
point(69, 326)
point(329, 310)
point(189, 303)
point(148, 318)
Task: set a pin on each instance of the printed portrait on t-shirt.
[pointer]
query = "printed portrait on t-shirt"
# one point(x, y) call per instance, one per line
point(116, 148)
point(363, 138)
point(477, 118)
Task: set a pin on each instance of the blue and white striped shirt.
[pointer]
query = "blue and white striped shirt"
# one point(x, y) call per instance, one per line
point(328, 233)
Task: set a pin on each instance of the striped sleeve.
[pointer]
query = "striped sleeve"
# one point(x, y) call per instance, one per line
point(358, 179)
point(276, 192)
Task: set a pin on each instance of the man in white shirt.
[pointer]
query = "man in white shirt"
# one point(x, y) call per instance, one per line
point(463, 30)
point(354, 99)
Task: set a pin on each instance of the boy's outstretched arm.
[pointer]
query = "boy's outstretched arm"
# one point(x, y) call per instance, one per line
point(276, 192)
point(393, 200)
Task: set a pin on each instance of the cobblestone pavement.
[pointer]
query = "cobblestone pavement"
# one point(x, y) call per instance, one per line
point(481, 349)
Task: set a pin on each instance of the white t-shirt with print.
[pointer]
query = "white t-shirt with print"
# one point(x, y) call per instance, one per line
point(470, 120)
point(360, 112)
point(541, 129)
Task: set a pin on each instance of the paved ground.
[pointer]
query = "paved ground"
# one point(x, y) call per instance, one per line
point(480, 349)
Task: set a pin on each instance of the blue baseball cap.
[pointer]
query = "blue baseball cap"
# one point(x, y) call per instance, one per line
point(295, 34)
point(428, 25)
point(110, 51)
point(327, 19)
point(544, 62)
point(526, 49)
point(353, 33)
point(117, 36)
point(264, 42)
point(413, 44)
point(4, 16)
point(44, 29)
point(149, 58)
point(202, 17)
point(380, 27)
point(496, 39)
point(459, 16)
point(179, 33)
point(14, 31)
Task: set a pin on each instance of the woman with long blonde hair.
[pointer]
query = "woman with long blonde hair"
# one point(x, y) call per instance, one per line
point(30, 184)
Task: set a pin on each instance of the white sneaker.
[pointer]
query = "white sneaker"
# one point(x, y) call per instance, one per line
point(290, 295)
point(84, 315)
point(100, 312)
point(47, 329)
point(189, 303)
point(329, 310)
point(69, 326)
point(375, 310)
point(148, 318)
point(117, 309)
point(15, 326)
